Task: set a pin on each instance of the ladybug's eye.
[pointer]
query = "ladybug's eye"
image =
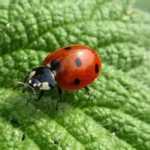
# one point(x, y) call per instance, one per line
point(96, 68)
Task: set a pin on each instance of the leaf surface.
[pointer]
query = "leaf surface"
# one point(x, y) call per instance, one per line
point(116, 115)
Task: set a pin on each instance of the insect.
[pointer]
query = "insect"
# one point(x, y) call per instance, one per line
point(70, 68)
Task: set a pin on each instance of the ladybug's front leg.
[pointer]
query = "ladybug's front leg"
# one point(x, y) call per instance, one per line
point(60, 93)
point(40, 95)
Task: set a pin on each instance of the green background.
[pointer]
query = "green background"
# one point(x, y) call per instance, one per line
point(143, 4)
point(116, 114)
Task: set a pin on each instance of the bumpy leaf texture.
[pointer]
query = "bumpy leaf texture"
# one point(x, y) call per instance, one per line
point(116, 116)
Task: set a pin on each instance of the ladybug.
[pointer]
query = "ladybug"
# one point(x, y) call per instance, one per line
point(70, 68)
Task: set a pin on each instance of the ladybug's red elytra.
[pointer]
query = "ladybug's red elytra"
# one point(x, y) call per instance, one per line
point(69, 68)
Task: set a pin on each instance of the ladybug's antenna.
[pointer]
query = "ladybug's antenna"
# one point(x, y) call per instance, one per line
point(27, 85)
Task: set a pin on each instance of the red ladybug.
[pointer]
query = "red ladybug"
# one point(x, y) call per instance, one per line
point(77, 66)
point(69, 68)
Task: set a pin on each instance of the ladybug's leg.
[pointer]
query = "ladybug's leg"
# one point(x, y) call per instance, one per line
point(23, 137)
point(60, 96)
point(60, 93)
point(25, 79)
point(40, 95)
point(87, 90)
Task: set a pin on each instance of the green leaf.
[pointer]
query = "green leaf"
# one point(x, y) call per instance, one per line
point(116, 115)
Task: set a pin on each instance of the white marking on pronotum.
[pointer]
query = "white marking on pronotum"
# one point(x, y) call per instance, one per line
point(48, 65)
point(30, 81)
point(32, 74)
point(53, 74)
point(45, 86)
point(39, 84)
point(34, 85)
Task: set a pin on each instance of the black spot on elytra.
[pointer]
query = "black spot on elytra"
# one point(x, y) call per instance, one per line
point(67, 48)
point(55, 64)
point(96, 68)
point(77, 81)
point(78, 62)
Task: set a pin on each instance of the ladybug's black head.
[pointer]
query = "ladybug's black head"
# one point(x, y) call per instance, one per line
point(41, 78)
